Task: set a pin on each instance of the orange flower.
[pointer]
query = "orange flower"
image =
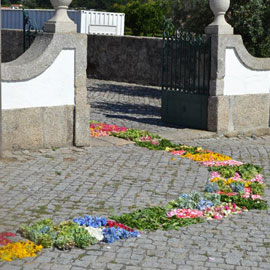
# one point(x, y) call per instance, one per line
point(19, 250)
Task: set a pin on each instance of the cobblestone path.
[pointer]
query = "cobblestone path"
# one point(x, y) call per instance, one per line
point(101, 180)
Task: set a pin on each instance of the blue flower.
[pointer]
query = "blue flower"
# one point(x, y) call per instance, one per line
point(211, 188)
point(237, 187)
point(135, 234)
point(184, 196)
point(203, 204)
point(45, 229)
point(89, 221)
point(113, 234)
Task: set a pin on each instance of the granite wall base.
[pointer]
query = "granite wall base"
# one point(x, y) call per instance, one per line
point(34, 128)
point(239, 114)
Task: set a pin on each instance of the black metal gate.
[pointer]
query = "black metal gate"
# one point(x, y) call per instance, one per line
point(185, 77)
point(29, 31)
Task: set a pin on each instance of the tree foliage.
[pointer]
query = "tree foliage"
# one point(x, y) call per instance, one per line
point(5, 3)
point(144, 17)
point(250, 18)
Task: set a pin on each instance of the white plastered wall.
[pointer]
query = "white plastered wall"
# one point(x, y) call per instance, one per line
point(54, 87)
point(241, 80)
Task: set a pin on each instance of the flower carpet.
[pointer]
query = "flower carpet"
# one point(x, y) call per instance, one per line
point(234, 187)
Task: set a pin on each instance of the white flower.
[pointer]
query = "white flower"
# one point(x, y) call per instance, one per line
point(95, 232)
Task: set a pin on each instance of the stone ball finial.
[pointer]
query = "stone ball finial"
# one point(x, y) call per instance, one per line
point(60, 22)
point(219, 25)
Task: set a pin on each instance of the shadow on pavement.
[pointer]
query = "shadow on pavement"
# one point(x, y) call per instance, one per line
point(142, 91)
point(145, 120)
point(139, 109)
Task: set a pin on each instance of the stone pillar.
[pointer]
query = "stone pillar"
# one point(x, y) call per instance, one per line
point(218, 29)
point(239, 83)
point(0, 87)
point(61, 24)
point(219, 26)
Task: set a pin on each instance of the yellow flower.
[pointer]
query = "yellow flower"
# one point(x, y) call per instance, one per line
point(19, 250)
point(229, 181)
point(207, 156)
point(247, 184)
point(215, 179)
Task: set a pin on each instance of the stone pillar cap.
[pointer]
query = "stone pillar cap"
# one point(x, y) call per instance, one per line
point(219, 26)
point(60, 22)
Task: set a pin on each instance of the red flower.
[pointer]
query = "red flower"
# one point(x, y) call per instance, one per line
point(3, 240)
point(111, 223)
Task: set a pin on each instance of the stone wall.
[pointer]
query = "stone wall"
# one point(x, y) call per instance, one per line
point(12, 44)
point(239, 88)
point(126, 58)
point(45, 96)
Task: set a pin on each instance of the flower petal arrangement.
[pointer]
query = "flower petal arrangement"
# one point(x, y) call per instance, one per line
point(81, 232)
point(111, 230)
point(19, 250)
point(100, 129)
point(234, 187)
point(4, 238)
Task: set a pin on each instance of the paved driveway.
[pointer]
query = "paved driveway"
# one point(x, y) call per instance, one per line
point(108, 178)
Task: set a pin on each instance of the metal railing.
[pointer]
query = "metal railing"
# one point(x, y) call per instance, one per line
point(186, 61)
point(29, 31)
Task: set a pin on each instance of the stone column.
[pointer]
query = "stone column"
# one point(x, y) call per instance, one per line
point(218, 30)
point(60, 22)
point(0, 87)
point(61, 25)
point(239, 84)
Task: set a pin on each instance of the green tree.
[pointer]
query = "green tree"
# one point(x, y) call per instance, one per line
point(44, 3)
point(146, 17)
point(92, 4)
point(250, 18)
point(30, 4)
point(6, 3)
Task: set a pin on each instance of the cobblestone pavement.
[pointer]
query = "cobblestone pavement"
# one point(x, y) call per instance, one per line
point(69, 182)
point(135, 106)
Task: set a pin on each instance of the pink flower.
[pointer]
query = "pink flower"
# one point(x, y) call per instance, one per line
point(215, 174)
point(257, 178)
point(101, 129)
point(221, 163)
point(178, 152)
point(254, 197)
point(185, 213)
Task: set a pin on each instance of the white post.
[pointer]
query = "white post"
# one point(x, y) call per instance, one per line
point(219, 26)
point(60, 22)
